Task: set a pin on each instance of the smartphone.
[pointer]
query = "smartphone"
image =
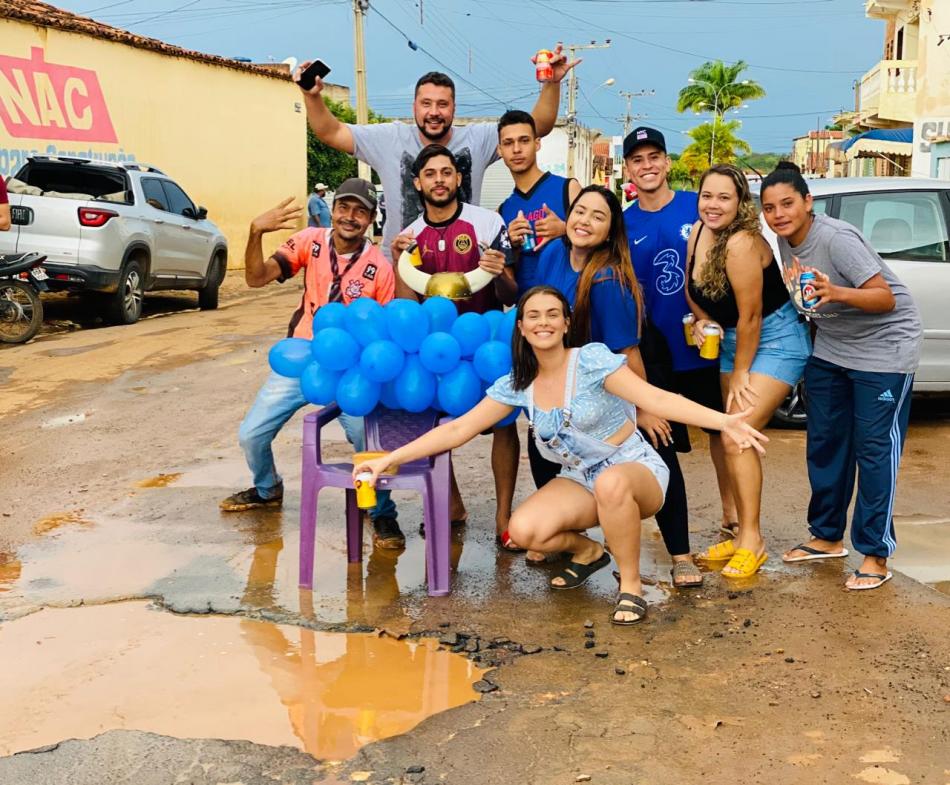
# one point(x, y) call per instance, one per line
point(308, 77)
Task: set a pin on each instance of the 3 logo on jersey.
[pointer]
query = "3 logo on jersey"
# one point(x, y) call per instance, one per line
point(668, 274)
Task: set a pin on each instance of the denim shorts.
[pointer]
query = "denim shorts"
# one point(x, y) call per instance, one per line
point(633, 450)
point(784, 347)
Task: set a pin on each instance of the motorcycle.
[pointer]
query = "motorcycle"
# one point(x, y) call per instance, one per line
point(22, 278)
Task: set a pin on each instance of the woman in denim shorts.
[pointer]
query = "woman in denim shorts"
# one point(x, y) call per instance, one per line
point(736, 285)
point(582, 404)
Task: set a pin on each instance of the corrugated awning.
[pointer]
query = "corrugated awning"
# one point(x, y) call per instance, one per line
point(884, 141)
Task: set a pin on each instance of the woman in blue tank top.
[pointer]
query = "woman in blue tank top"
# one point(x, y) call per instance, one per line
point(735, 285)
point(582, 403)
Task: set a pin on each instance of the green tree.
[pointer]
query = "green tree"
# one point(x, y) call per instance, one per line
point(762, 162)
point(716, 87)
point(326, 165)
point(716, 141)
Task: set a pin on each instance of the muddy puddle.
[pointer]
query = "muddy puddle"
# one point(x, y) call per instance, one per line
point(76, 673)
point(923, 549)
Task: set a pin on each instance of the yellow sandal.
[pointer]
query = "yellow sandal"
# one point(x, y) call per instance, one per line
point(744, 564)
point(719, 552)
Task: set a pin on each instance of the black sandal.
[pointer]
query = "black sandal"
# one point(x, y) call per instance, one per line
point(575, 574)
point(629, 603)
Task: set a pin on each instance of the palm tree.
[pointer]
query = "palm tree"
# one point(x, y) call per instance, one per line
point(713, 88)
point(715, 141)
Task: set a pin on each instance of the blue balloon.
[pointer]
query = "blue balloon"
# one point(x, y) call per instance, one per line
point(407, 323)
point(356, 394)
point(330, 315)
point(318, 385)
point(510, 418)
point(290, 356)
point(415, 387)
point(471, 330)
point(442, 312)
point(335, 349)
point(493, 318)
point(440, 353)
point(492, 360)
point(507, 326)
point(459, 390)
point(387, 395)
point(382, 361)
point(365, 321)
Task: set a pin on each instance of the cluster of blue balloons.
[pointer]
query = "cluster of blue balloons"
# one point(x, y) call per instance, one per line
point(405, 355)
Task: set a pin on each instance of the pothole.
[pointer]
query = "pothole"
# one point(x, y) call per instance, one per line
point(76, 673)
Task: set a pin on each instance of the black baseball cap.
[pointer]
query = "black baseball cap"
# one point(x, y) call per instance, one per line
point(359, 189)
point(640, 136)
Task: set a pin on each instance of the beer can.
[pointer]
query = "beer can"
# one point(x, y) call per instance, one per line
point(710, 348)
point(365, 492)
point(528, 242)
point(807, 283)
point(542, 64)
point(688, 321)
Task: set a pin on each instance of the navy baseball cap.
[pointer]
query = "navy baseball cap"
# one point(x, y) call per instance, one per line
point(640, 136)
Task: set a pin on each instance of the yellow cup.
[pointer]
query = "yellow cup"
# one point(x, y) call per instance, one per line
point(365, 492)
point(710, 348)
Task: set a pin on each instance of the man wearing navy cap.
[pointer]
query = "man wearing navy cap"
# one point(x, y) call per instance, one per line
point(658, 227)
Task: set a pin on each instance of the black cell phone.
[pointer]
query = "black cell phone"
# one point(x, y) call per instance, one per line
point(308, 77)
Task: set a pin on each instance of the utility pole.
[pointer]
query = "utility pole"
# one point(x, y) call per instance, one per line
point(628, 118)
point(360, 7)
point(572, 100)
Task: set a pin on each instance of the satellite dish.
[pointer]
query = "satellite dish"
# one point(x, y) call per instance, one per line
point(291, 63)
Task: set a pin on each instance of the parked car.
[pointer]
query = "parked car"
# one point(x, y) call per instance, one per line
point(115, 231)
point(907, 221)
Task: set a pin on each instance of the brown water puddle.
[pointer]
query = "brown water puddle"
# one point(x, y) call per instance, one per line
point(76, 673)
point(159, 480)
point(51, 523)
point(923, 549)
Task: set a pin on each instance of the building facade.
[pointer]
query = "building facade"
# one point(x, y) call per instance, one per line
point(811, 152)
point(909, 88)
point(232, 134)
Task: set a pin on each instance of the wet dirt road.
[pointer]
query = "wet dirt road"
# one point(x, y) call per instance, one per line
point(117, 444)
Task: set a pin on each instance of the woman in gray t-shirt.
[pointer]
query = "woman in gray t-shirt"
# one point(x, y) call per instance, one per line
point(858, 380)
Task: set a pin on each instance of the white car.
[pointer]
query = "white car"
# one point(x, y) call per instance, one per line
point(114, 231)
point(907, 221)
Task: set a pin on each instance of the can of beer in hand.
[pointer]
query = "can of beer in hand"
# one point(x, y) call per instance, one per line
point(807, 283)
point(365, 492)
point(688, 321)
point(710, 348)
point(542, 64)
point(528, 242)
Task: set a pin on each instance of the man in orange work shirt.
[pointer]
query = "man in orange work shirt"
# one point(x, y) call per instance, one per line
point(340, 264)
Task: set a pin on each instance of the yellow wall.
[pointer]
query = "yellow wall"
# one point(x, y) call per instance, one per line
point(235, 141)
point(933, 82)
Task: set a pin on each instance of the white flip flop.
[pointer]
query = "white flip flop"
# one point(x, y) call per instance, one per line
point(882, 580)
point(813, 554)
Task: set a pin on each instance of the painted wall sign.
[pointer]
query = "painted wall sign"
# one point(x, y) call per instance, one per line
point(40, 100)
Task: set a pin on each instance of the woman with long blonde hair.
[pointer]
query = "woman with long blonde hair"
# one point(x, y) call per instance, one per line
point(735, 285)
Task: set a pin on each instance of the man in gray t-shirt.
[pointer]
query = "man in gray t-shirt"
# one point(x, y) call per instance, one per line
point(861, 340)
point(390, 148)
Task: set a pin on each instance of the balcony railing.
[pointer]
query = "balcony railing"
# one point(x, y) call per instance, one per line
point(888, 92)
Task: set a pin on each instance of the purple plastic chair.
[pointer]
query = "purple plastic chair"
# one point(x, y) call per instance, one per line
point(386, 429)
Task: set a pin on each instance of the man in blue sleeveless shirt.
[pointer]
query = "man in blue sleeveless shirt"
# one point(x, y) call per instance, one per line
point(658, 227)
point(536, 209)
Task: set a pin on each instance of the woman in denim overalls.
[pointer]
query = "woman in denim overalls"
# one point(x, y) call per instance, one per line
point(581, 403)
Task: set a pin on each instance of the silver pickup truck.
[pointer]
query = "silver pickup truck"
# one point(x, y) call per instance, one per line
point(114, 230)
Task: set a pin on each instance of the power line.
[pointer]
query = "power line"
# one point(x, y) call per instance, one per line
point(413, 45)
point(646, 42)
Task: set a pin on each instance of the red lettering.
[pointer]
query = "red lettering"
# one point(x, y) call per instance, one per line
point(40, 100)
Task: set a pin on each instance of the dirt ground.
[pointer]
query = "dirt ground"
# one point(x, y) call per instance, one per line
point(118, 442)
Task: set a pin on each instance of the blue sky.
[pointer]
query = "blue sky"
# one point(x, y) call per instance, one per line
point(805, 53)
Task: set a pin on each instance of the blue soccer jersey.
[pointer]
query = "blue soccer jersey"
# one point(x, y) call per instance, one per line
point(658, 247)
